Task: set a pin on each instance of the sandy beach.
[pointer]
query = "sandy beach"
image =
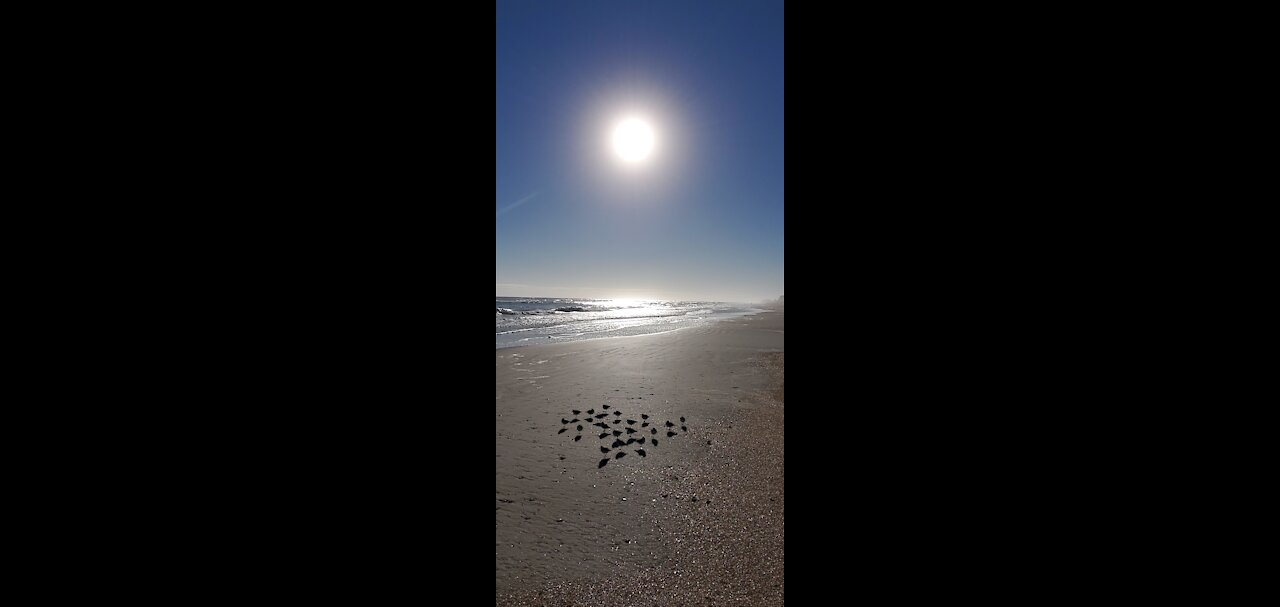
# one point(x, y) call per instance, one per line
point(695, 519)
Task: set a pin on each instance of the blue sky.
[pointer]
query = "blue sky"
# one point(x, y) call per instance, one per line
point(702, 217)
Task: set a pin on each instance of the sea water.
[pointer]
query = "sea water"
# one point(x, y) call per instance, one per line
point(531, 320)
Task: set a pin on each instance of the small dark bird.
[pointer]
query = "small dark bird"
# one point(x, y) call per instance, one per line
point(630, 440)
point(617, 421)
point(602, 462)
point(562, 431)
point(564, 421)
point(573, 421)
point(606, 406)
point(631, 431)
point(644, 425)
point(654, 441)
point(601, 425)
point(617, 432)
point(617, 413)
point(641, 441)
point(575, 412)
point(631, 422)
point(600, 415)
point(577, 438)
point(653, 430)
point(682, 420)
point(604, 435)
point(604, 449)
point(620, 455)
point(669, 424)
point(579, 428)
point(617, 443)
point(562, 458)
point(683, 429)
point(591, 411)
point(670, 434)
point(640, 452)
point(644, 416)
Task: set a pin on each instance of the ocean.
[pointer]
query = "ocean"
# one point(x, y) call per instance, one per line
point(530, 320)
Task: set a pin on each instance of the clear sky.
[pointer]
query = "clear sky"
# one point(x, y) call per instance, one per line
point(701, 216)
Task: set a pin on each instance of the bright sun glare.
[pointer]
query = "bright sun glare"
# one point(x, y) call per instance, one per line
point(632, 140)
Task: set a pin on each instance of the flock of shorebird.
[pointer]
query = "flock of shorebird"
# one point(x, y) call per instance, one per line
point(607, 424)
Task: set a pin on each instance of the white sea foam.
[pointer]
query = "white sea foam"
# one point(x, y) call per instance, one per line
point(526, 320)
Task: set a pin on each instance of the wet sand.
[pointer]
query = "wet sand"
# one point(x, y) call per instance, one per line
point(697, 520)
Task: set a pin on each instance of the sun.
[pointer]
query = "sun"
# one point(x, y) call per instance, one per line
point(633, 140)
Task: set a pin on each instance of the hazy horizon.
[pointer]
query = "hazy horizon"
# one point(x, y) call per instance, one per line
point(691, 209)
point(567, 295)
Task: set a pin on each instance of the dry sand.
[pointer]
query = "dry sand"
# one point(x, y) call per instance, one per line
point(699, 520)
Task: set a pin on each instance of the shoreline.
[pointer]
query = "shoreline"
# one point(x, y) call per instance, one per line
point(699, 517)
point(556, 343)
point(608, 333)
